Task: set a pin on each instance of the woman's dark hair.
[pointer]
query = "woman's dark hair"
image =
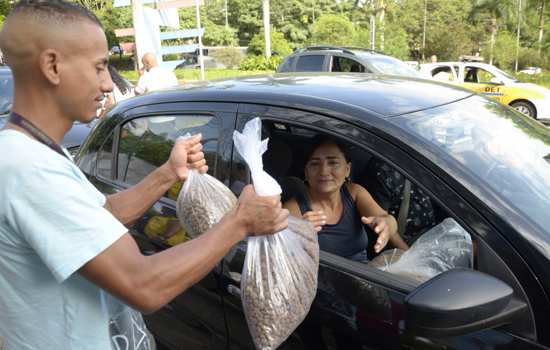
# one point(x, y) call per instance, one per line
point(119, 81)
point(320, 140)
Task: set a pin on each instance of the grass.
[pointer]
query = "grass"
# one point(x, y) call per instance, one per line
point(194, 74)
point(542, 79)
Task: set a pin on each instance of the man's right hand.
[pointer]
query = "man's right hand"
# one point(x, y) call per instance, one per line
point(261, 215)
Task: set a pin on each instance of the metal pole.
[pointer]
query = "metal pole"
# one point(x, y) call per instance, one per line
point(372, 32)
point(137, 22)
point(267, 29)
point(517, 40)
point(424, 30)
point(198, 14)
point(226, 19)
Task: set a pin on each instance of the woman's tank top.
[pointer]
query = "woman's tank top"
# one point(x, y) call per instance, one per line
point(348, 236)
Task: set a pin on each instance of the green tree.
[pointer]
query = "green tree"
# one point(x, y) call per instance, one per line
point(396, 41)
point(505, 50)
point(498, 11)
point(333, 30)
point(279, 45)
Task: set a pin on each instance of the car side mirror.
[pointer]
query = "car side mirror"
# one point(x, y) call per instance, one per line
point(458, 302)
point(496, 81)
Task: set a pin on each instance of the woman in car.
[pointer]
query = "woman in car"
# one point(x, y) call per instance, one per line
point(339, 209)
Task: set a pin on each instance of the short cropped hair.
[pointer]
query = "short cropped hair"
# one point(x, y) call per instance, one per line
point(60, 11)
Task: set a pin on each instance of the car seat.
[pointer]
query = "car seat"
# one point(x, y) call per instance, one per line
point(277, 162)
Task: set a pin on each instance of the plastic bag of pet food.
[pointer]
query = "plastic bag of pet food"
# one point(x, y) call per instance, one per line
point(279, 278)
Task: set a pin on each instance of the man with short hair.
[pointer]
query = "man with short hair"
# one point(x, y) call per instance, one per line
point(62, 243)
point(154, 77)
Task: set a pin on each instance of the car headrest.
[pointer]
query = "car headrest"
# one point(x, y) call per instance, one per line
point(277, 159)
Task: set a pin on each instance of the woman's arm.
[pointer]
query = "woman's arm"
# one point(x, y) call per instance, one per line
point(377, 218)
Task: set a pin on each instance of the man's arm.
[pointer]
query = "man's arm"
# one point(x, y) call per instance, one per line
point(149, 282)
point(129, 205)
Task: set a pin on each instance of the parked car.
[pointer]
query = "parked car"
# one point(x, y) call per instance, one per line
point(530, 99)
point(344, 59)
point(73, 139)
point(531, 70)
point(453, 145)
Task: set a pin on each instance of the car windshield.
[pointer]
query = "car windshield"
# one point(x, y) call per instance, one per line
point(508, 153)
point(6, 93)
point(390, 65)
point(509, 76)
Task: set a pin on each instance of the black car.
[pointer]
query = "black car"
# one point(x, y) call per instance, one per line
point(73, 139)
point(344, 60)
point(479, 164)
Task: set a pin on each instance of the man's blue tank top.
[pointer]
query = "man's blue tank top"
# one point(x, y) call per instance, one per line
point(345, 238)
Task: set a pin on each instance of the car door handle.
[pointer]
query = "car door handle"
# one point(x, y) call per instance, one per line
point(234, 290)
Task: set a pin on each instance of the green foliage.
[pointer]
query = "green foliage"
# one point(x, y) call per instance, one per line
point(505, 50)
point(333, 30)
point(362, 38)
point(230, 56)
point(396, 41)
point(261, 63)
point(279, 45)
point(219, 35)
point(530, 58)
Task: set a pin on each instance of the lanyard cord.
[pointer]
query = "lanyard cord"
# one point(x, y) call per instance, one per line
point(38, 134)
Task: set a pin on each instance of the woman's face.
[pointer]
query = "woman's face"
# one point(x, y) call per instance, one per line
point(327, 169)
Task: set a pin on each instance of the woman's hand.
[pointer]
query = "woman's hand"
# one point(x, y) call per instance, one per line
point(381, 227)
point(317, 218)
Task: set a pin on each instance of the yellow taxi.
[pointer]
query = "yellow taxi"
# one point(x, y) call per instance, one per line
point(530, 99)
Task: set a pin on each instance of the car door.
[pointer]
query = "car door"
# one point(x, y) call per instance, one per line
point(360, 306)
point(484, 82)
point(137, 146)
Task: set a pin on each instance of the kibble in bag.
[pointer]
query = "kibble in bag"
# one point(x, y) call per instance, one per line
point(202, 203)
point(279, 278)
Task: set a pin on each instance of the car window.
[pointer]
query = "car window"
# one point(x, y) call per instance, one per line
point(443, 73)
point(344, 64)
point(437, 241)
point(478, 75)
point(390, 65)
point(476, 134)
point(286, 66)
point(105, 158)
point(310, 63)
point(6, 93)
point(145, 144)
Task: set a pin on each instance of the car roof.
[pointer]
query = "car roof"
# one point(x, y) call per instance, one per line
point(382, 95)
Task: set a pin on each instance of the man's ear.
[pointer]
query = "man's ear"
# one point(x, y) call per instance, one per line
point(49, 65)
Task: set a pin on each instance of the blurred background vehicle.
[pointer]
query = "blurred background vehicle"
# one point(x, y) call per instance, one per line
point(345, 60)
point(528, 98)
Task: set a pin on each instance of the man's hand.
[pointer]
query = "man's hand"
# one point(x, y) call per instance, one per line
point(381, 228)
point(187, 154)
point(261, 215)
point(317, 218)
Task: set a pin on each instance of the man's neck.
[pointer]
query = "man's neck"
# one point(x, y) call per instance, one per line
point(50, 124)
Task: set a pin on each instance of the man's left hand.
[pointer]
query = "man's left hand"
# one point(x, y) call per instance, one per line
point(187, 154)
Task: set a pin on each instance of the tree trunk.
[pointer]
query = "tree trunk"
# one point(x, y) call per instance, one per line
point(493, 38)
point(382, 18)
point(541, 24)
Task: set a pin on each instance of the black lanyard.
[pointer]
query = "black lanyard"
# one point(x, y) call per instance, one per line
point(38, 134)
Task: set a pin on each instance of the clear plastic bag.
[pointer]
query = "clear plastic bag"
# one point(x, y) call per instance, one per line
point(443, 247)
point(279, 278)
point(127, 329)
point(202, 203)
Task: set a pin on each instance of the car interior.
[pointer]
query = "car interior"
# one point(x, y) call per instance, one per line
point(285, 162)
